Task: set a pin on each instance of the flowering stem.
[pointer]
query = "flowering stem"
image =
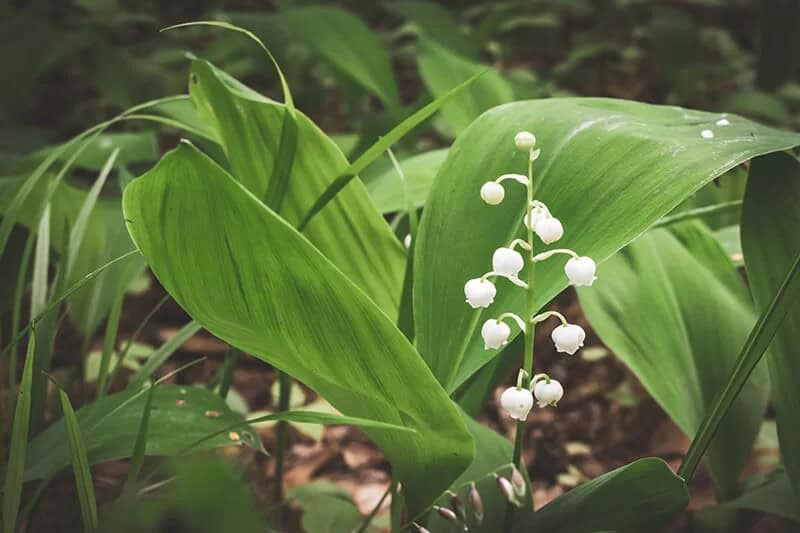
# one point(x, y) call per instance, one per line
point(530, 309)
point(550, 253)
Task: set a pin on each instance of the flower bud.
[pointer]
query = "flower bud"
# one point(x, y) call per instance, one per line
point(507, 262)
point(407, 240)
point(458, 506)
point(421, 529)
point(581, 271)
point(479, 292)
point(549, 229)
point(518, 482)
point(524, 141)
point(495, 334)
point(446, 513)
point(517, 402)
point(476, 502)
point(492, 193)
point(548, 393)
point(507, 490)
point(568, 338)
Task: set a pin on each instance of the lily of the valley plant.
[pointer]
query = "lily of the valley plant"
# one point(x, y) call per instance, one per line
point(508, 263)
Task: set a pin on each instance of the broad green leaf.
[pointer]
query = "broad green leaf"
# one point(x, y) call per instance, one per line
point(608, 170)
point(249, 126)
point(439, 67)
point(678, 315)
point(387, 191)
point(18, 447)
point(771, 242)
point(206, 494)
point(253, 281)
point(327, 508)
point(80, 464)
point(640, 496)
point(179, 417)
point(768, 493)
point(347, 43)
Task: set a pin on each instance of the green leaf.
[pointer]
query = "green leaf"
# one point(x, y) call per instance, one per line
point(347, 43)
point(250, 127)
point(179, 417)
point(387, 191)
point(608, 170)
point(770, 241)
point(254, 282)
point(80, 464)
point(19, 443)
point(757, 343)
point(439, 67)
point(327, 508)
point(768, 493)
point(140, 446)
point(668, 309)
point(384, 143)
point(157, 358)
point(640, 496)
point(435, 22)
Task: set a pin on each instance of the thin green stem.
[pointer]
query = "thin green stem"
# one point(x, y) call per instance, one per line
point(284, 387)
point(226, 375)
point(530, 309)
point(368, 519)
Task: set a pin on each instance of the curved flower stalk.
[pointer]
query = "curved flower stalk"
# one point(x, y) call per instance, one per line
point(509, 263)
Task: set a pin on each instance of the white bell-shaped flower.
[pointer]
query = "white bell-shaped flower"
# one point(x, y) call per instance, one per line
point(492, 193)
point(581, 271)
point(507, 262)
point(479, 292)
point(517, 402)
point(548, 393)
point(524, 140)
point(568, 338)
point(495, 334)
point(536, 215)
point(549, 229)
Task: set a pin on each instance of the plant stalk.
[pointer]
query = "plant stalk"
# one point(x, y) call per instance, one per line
point(530, 310)
point(284, 387)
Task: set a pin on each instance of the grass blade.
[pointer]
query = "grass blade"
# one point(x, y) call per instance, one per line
point(723, 207)
point(10, 215)
point(80, 465)
point(79, 226)
point(287, 94)
point(137, 458)
point(41, 264)
point(405, 315)
point(374, 151)
point(752, 351)
point(19, 443)
point(16, 315)
point(110, 340)
point(66, 294)
point(162, 354)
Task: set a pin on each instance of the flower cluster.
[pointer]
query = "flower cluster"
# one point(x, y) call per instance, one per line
point(508, 263)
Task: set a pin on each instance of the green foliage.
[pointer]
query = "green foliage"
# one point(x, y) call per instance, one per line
point(18, 449)
point(608, 170)
point(673, 308)
point(645, 494)
point(771, 243)
point(253, 281)
point(80, 464)
point(249, 126)
point(179, 417)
